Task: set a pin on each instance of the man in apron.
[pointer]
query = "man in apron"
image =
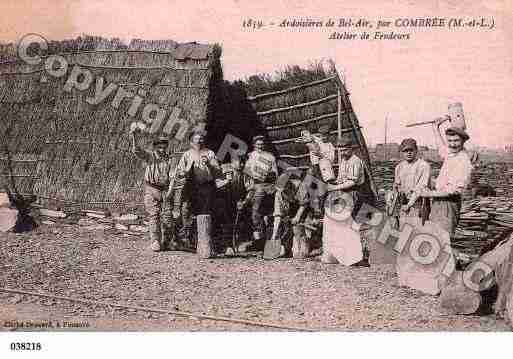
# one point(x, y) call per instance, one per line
point(341, 242)
point(158, 174)
point(199, 168)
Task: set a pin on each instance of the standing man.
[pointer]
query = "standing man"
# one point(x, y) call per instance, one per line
point(158, 174)
point(199, 168)
point(262, 171)
point(454, 177)
point(412, 175)
point(340, 240)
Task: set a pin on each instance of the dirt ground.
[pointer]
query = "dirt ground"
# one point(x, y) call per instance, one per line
point(116, 268)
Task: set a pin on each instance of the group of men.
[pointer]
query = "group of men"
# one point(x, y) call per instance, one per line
point(436, 200)
point(176, 192)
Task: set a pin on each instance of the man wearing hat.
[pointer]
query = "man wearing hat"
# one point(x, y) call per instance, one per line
point(198, 168)
point(158, 174)
point(262, 171)
point(453, 179)
point(345, 194)
point(412, 174)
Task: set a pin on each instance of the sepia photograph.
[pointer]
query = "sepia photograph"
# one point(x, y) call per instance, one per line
point(273, 166)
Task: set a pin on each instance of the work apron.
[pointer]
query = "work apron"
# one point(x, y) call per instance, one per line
point(340, 238)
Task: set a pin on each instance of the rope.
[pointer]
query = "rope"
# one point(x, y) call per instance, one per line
point(154, 310)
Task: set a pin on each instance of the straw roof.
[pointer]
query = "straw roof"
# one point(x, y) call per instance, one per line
point(296, 99)
point(84, 152)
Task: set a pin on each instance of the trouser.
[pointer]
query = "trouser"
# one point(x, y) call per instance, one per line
point(199, 199)
point(159, 215)
point(446, 212)
point(262, 199)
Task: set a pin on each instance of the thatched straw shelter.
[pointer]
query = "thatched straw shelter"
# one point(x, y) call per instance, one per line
point(78, 153)
point(70, 150)
point(296, 99)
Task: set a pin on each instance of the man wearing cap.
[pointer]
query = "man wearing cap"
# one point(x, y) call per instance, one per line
point(199, 168)
point(412, 174)
point(453, 179)
point(346, 195)
point(293, 199)
point(351, 172)
point(158, 174)
point(262, 171)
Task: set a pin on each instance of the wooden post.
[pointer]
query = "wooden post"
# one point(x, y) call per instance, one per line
point(300, 245)
point(205, 247)
point(339, 122)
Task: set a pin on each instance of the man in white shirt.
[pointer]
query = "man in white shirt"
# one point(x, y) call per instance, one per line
point(453, 179)
point(412, 174)
point(340, 240)
point(198, 168)
point(262, 171)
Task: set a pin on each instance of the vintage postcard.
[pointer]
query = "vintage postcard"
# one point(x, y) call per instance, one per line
point(255, 166)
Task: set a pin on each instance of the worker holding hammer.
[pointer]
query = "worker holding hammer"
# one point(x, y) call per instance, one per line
point(454, 177)
point(158, 176)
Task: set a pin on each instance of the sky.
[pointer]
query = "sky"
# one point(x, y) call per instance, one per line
point(402, 80)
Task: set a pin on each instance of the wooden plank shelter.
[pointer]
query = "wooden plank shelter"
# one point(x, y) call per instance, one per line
point(299, 99)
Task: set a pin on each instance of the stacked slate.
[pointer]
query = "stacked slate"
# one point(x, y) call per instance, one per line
point(484, 221)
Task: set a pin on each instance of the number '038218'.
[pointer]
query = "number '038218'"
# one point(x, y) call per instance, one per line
point(26, 346)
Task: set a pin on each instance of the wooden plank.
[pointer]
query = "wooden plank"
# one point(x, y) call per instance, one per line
point(301, 105)
point(290, 89)
point(287, 140)
point(315, 119)
point(140, 67)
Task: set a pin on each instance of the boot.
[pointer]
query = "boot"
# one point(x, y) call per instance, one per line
point(155, 237)
point(258, 242)
point(168, 237)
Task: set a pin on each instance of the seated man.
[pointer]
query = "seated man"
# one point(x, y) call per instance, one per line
point(292, 199)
